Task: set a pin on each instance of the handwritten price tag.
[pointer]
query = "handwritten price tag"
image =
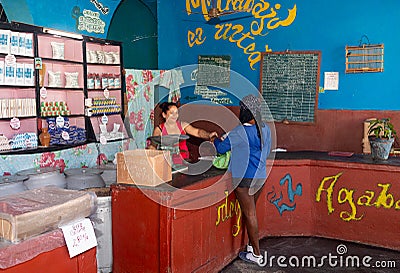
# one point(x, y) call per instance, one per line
point(79, 237)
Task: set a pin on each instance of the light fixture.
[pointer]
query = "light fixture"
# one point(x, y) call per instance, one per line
point(59, 33)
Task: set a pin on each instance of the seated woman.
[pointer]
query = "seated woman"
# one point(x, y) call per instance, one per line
point(172, 125)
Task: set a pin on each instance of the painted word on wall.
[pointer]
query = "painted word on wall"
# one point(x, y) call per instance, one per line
point(276, 200)
point(369, 198)
point(265, 18)
point(228, 210)
point(90, 21)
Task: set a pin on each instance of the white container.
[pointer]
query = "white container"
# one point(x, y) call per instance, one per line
point(9, 73)
point(5, 41)
point(29, 44)
point(21, 43)
point(19, 74)
point(28, 75)
point(14, 37)
point(103, 229)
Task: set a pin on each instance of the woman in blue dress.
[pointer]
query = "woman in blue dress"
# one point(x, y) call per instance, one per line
point(250, 145)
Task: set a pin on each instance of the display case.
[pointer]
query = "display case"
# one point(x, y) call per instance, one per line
point(18, 128)
point(104, 84)
point(68, 83)
point(60, 84)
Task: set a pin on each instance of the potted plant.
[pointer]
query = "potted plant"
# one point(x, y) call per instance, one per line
point(381, 135)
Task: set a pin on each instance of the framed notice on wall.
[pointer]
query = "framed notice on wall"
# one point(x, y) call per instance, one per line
point(214, 70)
point(289, 83)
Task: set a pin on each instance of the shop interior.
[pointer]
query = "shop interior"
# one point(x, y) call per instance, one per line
point(87, 186)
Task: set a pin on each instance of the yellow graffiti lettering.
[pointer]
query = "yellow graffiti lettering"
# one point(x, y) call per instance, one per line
point(254, 58)
point(234, 34)
point(195, 4)
point(384, 199)
point(329, 190)
point(267, 17)
point(205, 5)
point(219, 28)
point(397, 206)
point(239, 4)
point(195, 38)
point(365, 200)
point(284, 23)
point(344, 196)
point(223, 213)
point(237, 29)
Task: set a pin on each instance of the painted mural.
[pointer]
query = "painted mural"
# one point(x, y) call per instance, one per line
point(286, 192)
point(277, 25)
point(265, 17)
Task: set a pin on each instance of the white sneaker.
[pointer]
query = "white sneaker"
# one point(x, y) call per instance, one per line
point(249, 248)
point(251, 258)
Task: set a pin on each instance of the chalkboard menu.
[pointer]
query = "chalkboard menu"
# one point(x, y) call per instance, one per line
point(289, 83)
point(214, 70)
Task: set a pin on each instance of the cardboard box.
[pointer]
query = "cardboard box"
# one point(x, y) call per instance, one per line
point(36, 211)
point(144, 167)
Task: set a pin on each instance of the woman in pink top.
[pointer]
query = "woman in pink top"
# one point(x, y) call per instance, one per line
point(172, 125)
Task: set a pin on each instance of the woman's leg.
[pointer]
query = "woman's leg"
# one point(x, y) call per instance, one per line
point(248, 207)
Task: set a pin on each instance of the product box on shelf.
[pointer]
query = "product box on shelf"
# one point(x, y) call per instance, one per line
point(14, 42)
point(36, 211)
point(4, 41)
point(143, 167)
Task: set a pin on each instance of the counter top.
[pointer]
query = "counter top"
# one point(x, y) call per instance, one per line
point(316, 155)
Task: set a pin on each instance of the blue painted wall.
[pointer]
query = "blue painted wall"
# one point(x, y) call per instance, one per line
point(323, 25)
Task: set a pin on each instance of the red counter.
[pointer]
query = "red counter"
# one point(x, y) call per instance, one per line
point(149, 237)
point(353, 200)
point(45, 253)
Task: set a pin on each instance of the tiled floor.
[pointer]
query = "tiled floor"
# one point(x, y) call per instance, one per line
point(293, 249)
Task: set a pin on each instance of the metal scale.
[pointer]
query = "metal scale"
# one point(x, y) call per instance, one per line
point(170, 143)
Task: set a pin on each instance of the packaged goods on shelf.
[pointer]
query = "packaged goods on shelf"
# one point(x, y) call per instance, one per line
point(19, 74)
point(65, 135)
point(90, 80)
point(29, 44)
point(54, 108)
point(113, 135)
point(71, 79)
point(4, 143)
point(21, 43)
point(102, 57)
point(55, 79)
point(14, 42)
point(17, 107)
point(24, 141)
point(58, 50)
point(9, 73)
point(29, 78)
point(4, 41)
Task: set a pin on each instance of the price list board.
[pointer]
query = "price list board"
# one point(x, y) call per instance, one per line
point(214, 70)
point(289, 83)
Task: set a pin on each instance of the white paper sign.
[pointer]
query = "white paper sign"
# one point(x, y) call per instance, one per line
point(15, 123)
point(79, 237)
point(60, 122)
point(43, 92)
point(331, 80)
